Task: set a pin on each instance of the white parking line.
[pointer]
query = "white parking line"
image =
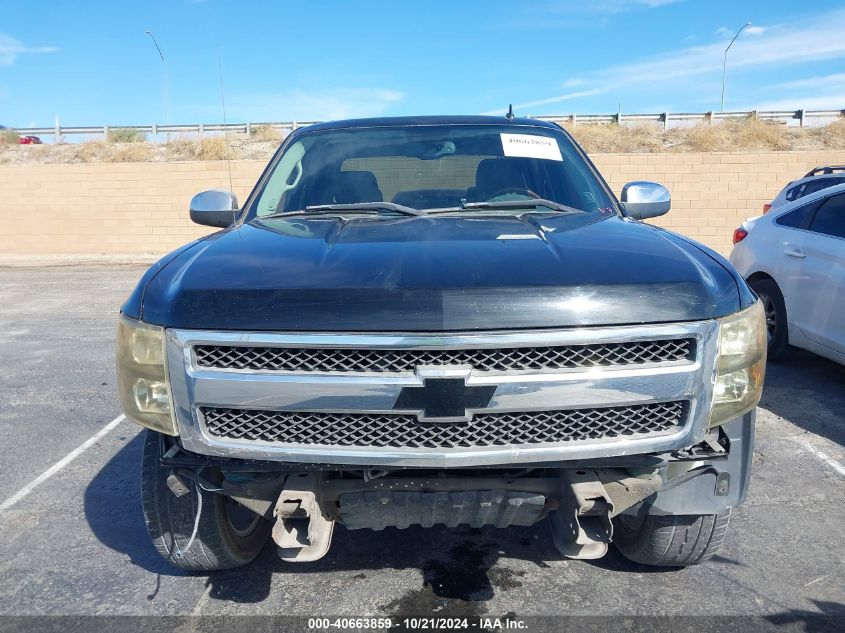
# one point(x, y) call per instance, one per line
point(824, 457)
point(203, 600)
point(59, 465)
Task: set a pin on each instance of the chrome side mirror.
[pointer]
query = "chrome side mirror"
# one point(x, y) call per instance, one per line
point(216, 207)
point(642, 199)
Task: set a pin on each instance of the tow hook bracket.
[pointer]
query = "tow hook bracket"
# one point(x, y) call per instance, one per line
point(581, 528)
point(723, 484)
point(177, 485)
point(301, 531)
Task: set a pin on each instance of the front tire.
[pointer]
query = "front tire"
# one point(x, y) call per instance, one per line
point(224, 539)
point(670, 541)
point(776, 324)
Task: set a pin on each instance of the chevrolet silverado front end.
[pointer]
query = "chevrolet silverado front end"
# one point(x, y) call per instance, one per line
point(442, 320)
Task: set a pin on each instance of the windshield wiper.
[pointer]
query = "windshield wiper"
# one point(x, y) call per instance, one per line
point(366, 206)
point(369, 208)
point(528, 203)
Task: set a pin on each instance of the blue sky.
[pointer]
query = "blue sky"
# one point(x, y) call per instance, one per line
point(91, 63)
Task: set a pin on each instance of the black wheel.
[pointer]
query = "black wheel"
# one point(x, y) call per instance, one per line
point(776, 324)
point(670, 541)
point(227, 534)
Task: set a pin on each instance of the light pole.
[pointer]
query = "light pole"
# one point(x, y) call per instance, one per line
point(164, 78)
point(725, 63)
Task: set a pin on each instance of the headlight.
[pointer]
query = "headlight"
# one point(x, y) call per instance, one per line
point(142, 383)
point(741, 364)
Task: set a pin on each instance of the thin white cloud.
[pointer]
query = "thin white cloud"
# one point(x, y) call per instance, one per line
point(314, 105)
point(572, 83)
point(576, 13)
point(825, 81)
point(616, 6)
point(560, 98)
point(816, 39)
point(797, 102)
point(653, 4)
point(10, 48)
point(726, 33)
point(824, 92)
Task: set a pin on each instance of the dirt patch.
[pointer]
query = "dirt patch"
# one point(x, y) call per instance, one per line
point(458, 586)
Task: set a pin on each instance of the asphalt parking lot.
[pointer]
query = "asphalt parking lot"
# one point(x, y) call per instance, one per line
point(76, 543)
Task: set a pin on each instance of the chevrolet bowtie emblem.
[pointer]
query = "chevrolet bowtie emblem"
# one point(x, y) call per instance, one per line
point(444, 399)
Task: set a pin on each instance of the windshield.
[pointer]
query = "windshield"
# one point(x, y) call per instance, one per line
point(432, 167)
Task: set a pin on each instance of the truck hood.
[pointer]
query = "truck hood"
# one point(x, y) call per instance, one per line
point(436, 273)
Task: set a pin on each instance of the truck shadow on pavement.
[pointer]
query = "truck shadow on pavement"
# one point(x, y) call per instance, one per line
point(808, 391)
point(112, 505)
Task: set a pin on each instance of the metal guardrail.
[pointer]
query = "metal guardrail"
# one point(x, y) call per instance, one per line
point(60, 131)
point(666, 119)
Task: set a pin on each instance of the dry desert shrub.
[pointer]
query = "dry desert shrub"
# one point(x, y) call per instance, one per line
point(9, 137)
point(738, 135)
point(125, 135)
point(756, 135)
point(612, 138)
point(263, 133)
point(211, 148)
point(831, 136)
point(129, 153)
point(701, 138)
point(107, 152)
point(180, 149)
point(88, 152)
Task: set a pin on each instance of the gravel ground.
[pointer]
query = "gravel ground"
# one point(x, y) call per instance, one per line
point(77, 545)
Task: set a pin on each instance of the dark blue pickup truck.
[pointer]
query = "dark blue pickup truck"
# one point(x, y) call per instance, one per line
point(440, 320)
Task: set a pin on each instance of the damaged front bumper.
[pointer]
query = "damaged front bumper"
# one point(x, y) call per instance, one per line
point(580, 498)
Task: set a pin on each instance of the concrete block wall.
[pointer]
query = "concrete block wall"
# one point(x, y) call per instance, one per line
point(142, 208)
point(109, 209)
point(712, 193)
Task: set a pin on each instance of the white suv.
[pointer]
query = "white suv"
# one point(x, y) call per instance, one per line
point(814, 180)
point(794, 259)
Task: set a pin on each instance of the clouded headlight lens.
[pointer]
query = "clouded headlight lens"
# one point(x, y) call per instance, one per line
point(741, 364)
point(142, 377)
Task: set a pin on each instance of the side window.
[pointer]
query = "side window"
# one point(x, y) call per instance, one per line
point(818, 185)
point(285, 177)
point(812, 186)
point(797, 219)
point(793, 193)
point(830, 218)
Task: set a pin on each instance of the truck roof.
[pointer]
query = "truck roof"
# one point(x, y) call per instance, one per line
point(431, 120)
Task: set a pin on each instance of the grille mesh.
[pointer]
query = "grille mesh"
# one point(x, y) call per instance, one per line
point(401, 430)
point(383, 360)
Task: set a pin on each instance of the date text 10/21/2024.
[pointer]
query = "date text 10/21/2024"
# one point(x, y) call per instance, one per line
point(416, 623)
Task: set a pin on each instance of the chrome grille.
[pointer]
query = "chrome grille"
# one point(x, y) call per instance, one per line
point(401, 430)
point(481, 359)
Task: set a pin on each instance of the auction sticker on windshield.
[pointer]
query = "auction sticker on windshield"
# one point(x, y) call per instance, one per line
point(531, 146)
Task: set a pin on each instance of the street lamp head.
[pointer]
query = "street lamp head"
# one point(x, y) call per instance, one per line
point(744, 26)
point(153, 38)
